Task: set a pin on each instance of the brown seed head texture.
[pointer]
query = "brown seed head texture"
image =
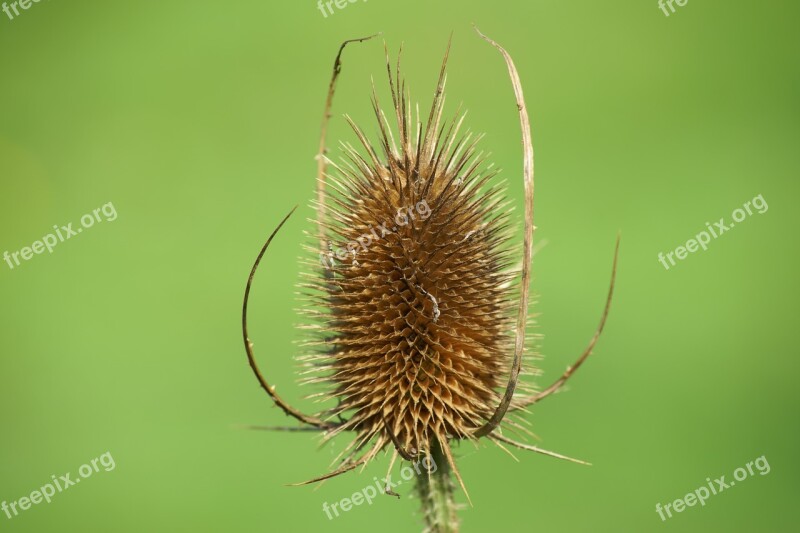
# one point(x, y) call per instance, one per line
point(419, 322)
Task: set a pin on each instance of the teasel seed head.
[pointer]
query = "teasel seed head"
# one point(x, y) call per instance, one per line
point(412, 305)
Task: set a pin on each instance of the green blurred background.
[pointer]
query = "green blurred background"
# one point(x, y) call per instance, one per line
point(200, 122)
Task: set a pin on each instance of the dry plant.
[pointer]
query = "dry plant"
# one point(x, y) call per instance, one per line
point(412, 334)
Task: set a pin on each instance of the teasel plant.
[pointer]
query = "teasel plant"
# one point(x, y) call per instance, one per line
point(412, 326)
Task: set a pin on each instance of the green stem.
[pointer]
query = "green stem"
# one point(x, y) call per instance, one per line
point(437, 494)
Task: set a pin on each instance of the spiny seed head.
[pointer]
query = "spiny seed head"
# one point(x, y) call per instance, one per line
point(413, 303)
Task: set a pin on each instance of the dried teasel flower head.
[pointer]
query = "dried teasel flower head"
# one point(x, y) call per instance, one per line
point(415, 314)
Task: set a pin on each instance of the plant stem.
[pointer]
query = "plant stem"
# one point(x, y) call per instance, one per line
point(436, 492)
